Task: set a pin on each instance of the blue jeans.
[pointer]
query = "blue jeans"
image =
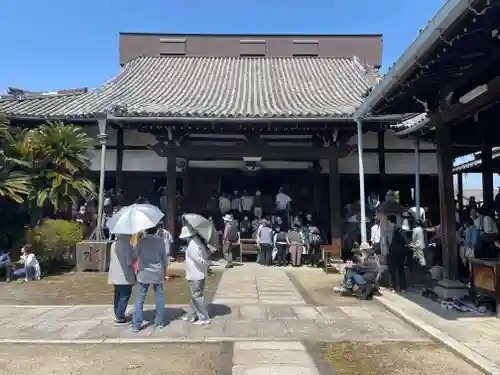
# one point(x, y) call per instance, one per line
point(29, 272)
point(139, 304)
point(353, 278)
point(7, 265)
point(122, 296)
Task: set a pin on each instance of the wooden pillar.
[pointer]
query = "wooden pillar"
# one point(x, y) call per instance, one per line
point(447, 199)
point(317, 187)
point(460, 191)
point(382, 178)
point(120, 146)
point(171, 216)
point(487, 167)
point(185, 187)
point(335, 202)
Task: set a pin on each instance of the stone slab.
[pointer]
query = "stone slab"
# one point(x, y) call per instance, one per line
point(274, 370)
point(272, 357)
point(269, 345)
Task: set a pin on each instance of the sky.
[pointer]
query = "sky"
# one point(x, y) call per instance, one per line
point(56, 44)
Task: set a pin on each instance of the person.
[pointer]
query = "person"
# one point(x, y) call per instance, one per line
point(280, 244)
point(375, 236)
point(265, 243)
point(282, 202)
point(152, 270)
point(363, 273)
point(121, 275)
point(396, 255)
point(419, 242)
point(31, 265)
point(315, 242)
point(229, 238)
point(497, 202)
point(196, 266)
point(6, 264)
point(295, 240)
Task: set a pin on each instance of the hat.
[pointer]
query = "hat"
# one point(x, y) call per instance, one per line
point(364, 246)
point(227, 217)
point(186, 232)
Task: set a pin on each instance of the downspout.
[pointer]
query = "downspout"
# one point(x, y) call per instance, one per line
point(417, 176)
point(361, 173)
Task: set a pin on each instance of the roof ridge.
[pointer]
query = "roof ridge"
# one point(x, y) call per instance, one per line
point(21, 94)
point(351, 58)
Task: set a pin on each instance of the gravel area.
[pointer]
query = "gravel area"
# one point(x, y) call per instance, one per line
point(144, 359)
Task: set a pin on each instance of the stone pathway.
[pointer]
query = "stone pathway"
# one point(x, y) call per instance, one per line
point(253, 284)
point(258, 310)
point(475, 338)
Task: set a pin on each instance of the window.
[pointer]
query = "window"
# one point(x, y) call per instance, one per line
point(305, 48)
point(256, 48)
point(173, 47)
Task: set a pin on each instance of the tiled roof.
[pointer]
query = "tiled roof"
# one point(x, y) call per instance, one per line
point(41, 104)
point(476, 163)
point(294, 87)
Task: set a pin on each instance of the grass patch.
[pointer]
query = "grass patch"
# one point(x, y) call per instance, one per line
point(356, 358)
point(89, 288)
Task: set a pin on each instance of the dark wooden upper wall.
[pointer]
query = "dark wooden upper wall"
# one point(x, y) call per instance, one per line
point(366, 47)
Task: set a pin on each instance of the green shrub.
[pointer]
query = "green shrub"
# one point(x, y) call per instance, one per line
point(54, 239)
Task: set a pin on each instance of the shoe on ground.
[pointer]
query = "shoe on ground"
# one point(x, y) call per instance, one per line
point(202, 322)
point(188, 318)
point(141, 327)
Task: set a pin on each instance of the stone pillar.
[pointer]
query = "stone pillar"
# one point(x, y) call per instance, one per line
point(335, 201)
point(447, 199)
point(171, 216)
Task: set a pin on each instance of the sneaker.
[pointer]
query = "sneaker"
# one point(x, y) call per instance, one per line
point(202, 322)
point(141, 327)
point(120, 322)
point(188, 318)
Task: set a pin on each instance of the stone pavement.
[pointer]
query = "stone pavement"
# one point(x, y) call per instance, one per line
point(252, 284)
point(475, 338)
point(258, 310)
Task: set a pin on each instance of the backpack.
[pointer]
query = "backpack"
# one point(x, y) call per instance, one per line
point(233, 234)
point(315, 237)
point(281, 237)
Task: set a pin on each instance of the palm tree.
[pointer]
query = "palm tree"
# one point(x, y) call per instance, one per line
point(59, 157)
point(14, 182)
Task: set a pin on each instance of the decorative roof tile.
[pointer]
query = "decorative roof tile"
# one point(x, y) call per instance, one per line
point(221, 87)
point(475, 164)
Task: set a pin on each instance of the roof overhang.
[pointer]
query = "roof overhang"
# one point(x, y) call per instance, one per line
point(449, 13)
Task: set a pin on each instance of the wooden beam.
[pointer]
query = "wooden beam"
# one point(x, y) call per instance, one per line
point(459, 112)
point(382, 178)
point(119, 163)
point(335, 201)
point(241, 150)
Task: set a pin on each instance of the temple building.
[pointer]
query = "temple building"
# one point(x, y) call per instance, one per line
point(216, 113)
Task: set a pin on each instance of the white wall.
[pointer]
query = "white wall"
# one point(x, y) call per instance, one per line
point(146, 160)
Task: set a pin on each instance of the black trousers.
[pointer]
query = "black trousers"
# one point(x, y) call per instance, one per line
point(314, 254)
point(266, 254)
point(396, 266)
point(281, 255)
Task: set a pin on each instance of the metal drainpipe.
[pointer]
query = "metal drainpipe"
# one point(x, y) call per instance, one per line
point(361, 181)
point(103, 136)
point(417, 176)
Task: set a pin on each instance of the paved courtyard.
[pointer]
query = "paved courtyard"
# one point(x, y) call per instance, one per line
point(259, 314)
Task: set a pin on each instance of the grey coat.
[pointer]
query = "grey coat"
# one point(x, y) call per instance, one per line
point(122, 259)
point(153, 259)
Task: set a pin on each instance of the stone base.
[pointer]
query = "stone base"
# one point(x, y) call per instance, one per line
point(450, 289)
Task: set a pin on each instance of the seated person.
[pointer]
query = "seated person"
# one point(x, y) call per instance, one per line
point(362, 272)
point(6, 264)
point(31, 269)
